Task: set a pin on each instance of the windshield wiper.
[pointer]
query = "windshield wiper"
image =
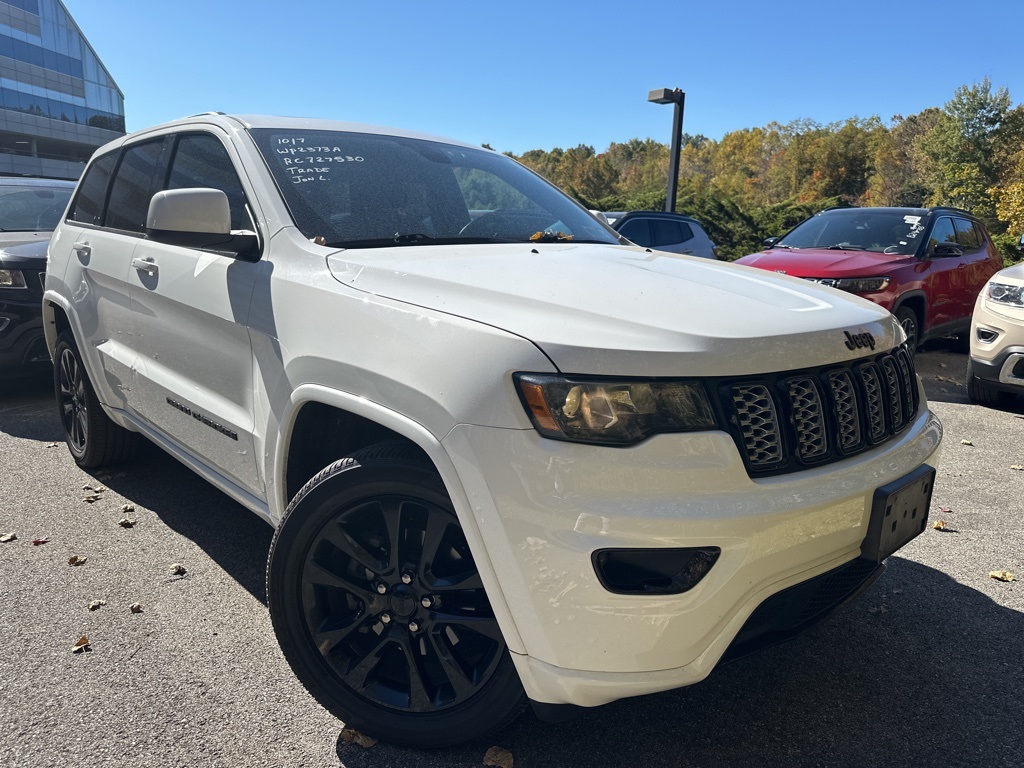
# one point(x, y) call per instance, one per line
point(413, 237)
point(845, 247)
point(549, 237)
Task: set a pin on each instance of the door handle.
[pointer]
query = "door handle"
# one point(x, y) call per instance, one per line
point(83, 249)
point(146, 265)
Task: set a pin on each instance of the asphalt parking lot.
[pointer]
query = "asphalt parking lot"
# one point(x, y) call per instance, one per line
point(924, 669)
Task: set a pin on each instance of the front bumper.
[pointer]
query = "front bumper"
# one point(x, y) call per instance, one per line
point(544, 511)
point(997, 344)
point(22, 343)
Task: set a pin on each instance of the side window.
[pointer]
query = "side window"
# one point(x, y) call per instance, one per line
point(200, 160)
point(638, 231)
point(967, 234)
point(92, 191)
point(942, 232)
point(133, 187)
point(669, 232)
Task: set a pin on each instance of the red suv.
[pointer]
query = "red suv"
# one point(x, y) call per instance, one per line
point(925, 265)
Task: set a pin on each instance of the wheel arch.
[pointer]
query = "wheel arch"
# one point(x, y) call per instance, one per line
point(56, 319)
point(916, 301)
point(314, 410)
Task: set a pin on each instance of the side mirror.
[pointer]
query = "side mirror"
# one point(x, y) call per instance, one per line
point(1020, 245)
point(770, 241)
point(947, 249)
point(198, 218)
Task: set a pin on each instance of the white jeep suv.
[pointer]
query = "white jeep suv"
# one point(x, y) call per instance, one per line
point(508, 457)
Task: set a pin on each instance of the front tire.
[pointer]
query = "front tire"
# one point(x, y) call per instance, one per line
point(908, 320)
point(379, 608)
point(92, 438)
point(980, 391)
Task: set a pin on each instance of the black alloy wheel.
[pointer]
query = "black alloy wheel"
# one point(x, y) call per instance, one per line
point(93, 439)
point(72, 400)
point(379, 607)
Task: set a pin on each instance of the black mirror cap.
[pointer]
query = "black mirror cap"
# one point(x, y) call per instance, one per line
point(948, 249)
point(770, 241)
point(241, 245)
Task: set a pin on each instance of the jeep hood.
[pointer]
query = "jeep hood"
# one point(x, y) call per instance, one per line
point(817, 262)
point(618, 310)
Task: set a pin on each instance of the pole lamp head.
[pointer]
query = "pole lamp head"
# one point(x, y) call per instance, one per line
point(665, 96)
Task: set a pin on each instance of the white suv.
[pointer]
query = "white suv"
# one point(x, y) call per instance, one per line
point(508, 457)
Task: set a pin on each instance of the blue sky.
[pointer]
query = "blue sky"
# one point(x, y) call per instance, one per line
point(531, 74)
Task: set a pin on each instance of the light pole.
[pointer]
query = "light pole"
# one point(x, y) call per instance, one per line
point(677, 97)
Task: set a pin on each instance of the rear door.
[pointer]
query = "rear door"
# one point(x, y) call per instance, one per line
point(195, 365)
point(98, 252)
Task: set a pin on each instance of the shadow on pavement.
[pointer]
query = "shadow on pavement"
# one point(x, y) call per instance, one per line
point(921, 670)
point(27, 409)
point(235, 538)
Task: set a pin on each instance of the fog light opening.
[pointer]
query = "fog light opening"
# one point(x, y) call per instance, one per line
point(653, 571)
point(986, 335)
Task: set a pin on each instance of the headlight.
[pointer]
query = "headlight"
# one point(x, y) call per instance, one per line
point(11, 278)
point(855, 284)
point(612, 411)
point(1003, 293)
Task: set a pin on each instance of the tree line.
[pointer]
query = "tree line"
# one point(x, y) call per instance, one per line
point(759, 182)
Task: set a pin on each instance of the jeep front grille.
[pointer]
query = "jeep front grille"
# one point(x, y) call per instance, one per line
point(787, 421)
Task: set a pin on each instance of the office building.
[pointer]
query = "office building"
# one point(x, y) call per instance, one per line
point(58, 103)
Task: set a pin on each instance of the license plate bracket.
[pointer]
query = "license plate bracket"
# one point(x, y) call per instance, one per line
point(899, 512)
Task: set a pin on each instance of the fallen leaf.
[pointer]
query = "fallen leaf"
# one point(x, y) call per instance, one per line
point(498, 757)
point(92, 498)
point(76, 560)
point(135, 607)
point(37, 542)
point(126, 522)
point(1018, 467)
point(947, 379)
point(942, 525)
point(100, 489)
point(9, 537)
point(95, 604)
point(352, 736)
point(943, 365)
point(127, 509)
point(81, 645)
point(86, 487)
point(966, 442)
point(945, 510)
point(178, 569)
point(53, 445)
point(1001, 575)
point(897, 591)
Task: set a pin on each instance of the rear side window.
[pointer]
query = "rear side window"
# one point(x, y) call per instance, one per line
point(92, 191)
point(133, 186)
point(200, 160)
point(670, 232)
point(637, 231)
point(967, 234)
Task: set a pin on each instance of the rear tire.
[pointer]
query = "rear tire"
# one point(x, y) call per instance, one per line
point(380, 610)
point(980, 391)
point(93, 439)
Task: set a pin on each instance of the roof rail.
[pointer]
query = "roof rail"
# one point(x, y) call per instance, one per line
point(952, 209)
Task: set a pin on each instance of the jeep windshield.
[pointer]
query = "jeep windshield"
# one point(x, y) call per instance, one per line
point(896, 231)
point(363, 190)
point(32, 209)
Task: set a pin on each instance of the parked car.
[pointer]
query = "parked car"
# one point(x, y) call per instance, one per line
point(925, 265)
point(995, 368)
point(507, 457)
point(29, 210)
point(664, 231)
